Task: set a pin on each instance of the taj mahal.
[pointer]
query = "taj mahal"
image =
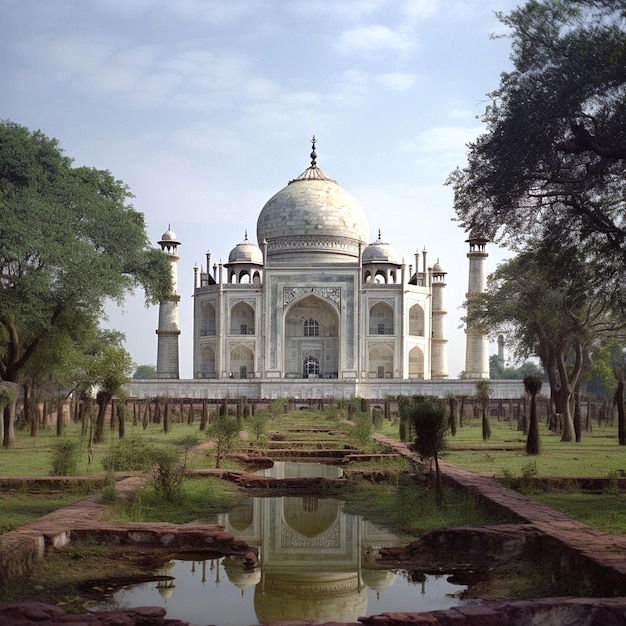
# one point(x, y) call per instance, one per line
point(316, 309)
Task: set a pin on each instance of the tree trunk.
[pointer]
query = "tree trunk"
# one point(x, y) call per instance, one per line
point(577, 417)
point(121, 422)
point(59, 417)
point(103, 402)
point(438, 483)
point(8, 426)
point(114, 413)
point(485, 424)
point(453, 404)
point(532, 442)
point(166, 417)
point(562, 401)
point(204, 418)
point(621, 413)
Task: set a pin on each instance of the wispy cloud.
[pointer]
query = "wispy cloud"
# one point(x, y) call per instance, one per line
point(337, 9)
point(374, 39)
point(397, 81)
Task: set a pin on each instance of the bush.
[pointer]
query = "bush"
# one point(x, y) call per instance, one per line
point(168, 472)
point(65, 458)
point(127, 455)
point(362, 430)
point(258, 423)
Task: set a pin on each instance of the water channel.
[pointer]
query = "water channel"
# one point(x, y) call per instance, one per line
point(316, 563)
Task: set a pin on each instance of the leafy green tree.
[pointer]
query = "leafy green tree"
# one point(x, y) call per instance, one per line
point(430, 426)
point(224, 431)
point(611, 356)
point(70, 240)
point(145, 372)
point(103, 369)
point(258, 423)
point(553, 156)
point(549, 303)
point(499, 371)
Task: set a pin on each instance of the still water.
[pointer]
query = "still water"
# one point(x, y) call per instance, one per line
point(315, 563)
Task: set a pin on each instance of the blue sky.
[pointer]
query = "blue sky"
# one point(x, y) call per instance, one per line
point(205, 108)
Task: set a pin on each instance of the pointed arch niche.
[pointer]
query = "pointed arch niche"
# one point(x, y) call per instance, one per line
point(207, 362)
point(311, 335)
point(207, 320)
point(416, 363)
point(416, 321)
point(380, 359)
point(381, 319)
point(242, 319)
point(241, 362)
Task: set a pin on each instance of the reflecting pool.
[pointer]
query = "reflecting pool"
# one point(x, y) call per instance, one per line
point(315, 563)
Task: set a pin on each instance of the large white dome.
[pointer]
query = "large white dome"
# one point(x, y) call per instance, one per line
point(312, 218)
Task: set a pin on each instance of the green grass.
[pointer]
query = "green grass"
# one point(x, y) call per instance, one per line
point(22, 507)
point(32, 456)
point(201, 499)
point(605, 512)
point(598, 454)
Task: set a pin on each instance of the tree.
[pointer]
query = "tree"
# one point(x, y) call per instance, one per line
point(549, 303)
point(144, 372)
point(430, 427)
point(223, 430)
point(499, 371)
point(532, 385)
point(109, 370)
point(553, 156)
point(611, 355)
point(483, 393)
point(69, 241)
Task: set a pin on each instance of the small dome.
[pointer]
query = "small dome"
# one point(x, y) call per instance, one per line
point(380, 252)
point(438, 268)
point(239, 575)
point(246, 252)
point(169, 238)
point(378, 580)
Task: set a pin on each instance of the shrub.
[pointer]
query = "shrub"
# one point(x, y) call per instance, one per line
point(109, 493)
point(127, 455)
point(65, 458)
point(168, 472)
point(224, 430)
point(362, 429)
point(258, 423)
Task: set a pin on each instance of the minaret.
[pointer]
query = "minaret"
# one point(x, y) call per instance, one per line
point(439, 342)
point(476, 341)
point(168, 331)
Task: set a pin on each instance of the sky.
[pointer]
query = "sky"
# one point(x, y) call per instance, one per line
point(206, 108)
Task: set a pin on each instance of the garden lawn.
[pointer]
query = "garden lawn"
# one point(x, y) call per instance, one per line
point(32, 456)
point(598, 454)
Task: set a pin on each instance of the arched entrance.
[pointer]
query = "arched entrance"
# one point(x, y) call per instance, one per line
point(311, 339)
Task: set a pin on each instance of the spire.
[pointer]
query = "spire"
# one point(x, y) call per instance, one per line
point(313, 172)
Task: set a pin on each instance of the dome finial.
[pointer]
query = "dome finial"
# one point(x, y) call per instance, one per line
point(313, 153)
